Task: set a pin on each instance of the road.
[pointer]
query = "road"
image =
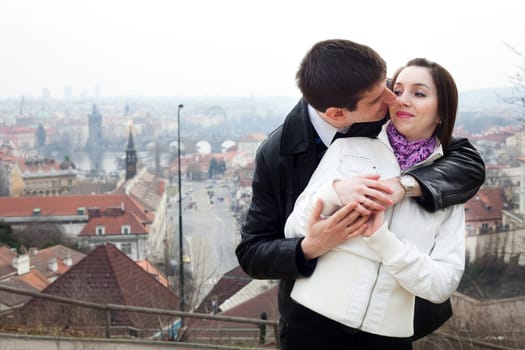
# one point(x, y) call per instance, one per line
point(210, 233)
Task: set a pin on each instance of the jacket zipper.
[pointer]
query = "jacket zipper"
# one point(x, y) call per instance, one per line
point(377, 278)
point(370, 296)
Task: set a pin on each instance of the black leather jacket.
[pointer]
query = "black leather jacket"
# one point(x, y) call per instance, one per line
point(284, 163)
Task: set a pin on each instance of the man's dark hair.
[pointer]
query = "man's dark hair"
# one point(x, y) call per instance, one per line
point(336, 73)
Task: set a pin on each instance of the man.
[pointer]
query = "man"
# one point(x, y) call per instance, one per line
point(344, 90)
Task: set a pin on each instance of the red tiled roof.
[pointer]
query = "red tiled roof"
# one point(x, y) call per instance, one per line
point(487, 204)
point(16, 129)
point(254, 137)
point(154, 271)
point(35, 279)
point(12, 299)
point(228, 156)
point(265, 302)
point(113, 225)
point(107, 275)
point(69, 205)
point(40, 259)
point(46, 166)
point(228, 285)
point(499, 137)
point(147, 189)
point(9, 158)
point(497, 166)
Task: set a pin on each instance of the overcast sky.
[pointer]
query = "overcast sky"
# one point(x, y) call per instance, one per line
point(240, 47)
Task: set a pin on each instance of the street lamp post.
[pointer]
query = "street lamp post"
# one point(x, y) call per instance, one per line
point(181, 263)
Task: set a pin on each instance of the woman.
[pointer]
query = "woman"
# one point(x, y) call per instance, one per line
point(369, 283)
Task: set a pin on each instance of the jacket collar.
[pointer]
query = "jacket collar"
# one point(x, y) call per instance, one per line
point(298, 132)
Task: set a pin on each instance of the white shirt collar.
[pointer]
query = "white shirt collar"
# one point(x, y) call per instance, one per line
point(325, 131)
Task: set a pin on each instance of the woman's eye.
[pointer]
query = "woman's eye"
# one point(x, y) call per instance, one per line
point(397, 92)
point(420, 94)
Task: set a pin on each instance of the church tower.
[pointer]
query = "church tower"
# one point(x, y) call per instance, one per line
point(131, 158)
point(94, 128)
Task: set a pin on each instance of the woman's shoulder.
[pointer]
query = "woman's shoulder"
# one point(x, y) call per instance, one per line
point(361, 155)
point(359, 145)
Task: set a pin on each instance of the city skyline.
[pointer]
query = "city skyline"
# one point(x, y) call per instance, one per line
point(237, 48)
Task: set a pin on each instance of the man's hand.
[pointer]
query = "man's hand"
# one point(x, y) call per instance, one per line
point(324, 234)
point(366, 190)
point(375, 221)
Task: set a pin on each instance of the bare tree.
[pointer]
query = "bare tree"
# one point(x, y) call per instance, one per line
point(41, 235)
point(518, 81)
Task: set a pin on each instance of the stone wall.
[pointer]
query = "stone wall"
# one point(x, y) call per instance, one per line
point(492, 316)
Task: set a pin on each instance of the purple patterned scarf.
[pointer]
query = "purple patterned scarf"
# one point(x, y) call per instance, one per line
point(409, 153)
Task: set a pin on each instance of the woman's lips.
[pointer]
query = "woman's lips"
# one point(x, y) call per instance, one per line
point(401, 114)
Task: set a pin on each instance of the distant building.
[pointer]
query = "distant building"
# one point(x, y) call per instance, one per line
point(118, 226)
point(483, 212)
point(46, 177)
point(495, 228)
point(95, 129)
point(250, 143)
point(11, 180)
point(149, 191)
point(516, 218)
point(131, 157)
point(516, 141)
point(85, 218)
point(22, 137)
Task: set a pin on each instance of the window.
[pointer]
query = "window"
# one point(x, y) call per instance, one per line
point(126, 248)
point(125, 229)
point(100, 230)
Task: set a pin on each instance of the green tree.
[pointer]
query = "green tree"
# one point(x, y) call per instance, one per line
point(7, 236)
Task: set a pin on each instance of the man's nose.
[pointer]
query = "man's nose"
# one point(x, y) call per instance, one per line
point(389, 96)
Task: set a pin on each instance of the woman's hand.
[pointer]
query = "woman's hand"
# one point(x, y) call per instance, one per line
point(366, 190)
point(398, 192)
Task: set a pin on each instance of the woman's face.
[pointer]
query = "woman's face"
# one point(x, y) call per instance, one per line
point(414, 113)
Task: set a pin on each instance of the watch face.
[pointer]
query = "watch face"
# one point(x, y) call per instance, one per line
point(407, 181)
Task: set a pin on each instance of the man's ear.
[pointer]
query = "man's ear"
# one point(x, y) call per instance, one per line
point(334, 113)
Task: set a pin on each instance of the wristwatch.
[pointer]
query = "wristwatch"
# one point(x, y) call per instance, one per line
point(408, 183)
